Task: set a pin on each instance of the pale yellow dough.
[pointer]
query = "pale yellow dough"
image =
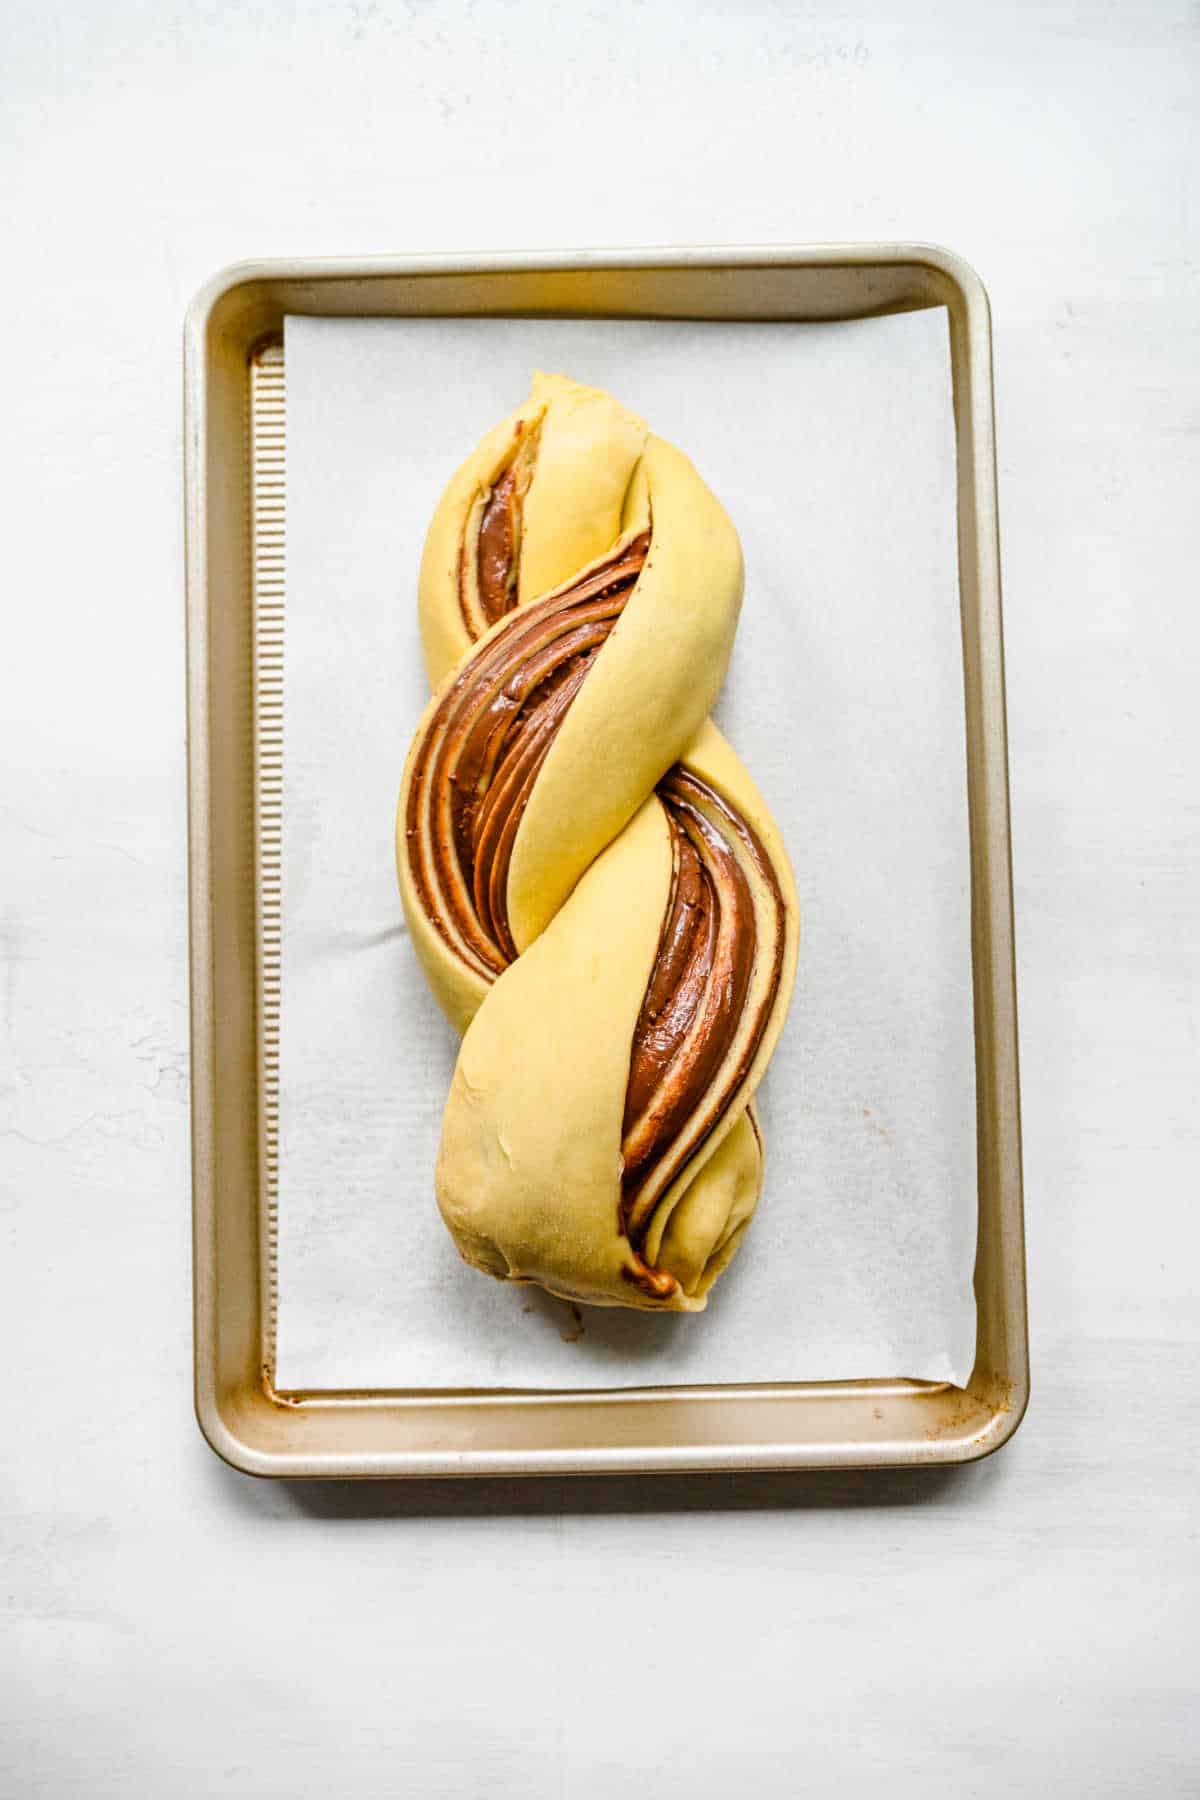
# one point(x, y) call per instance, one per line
point(530, 1188)
point(650, 691)
point(529, 1172)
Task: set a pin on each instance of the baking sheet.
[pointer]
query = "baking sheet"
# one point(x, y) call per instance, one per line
point(832, 446)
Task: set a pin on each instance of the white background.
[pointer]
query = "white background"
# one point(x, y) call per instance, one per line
point(170, 1628)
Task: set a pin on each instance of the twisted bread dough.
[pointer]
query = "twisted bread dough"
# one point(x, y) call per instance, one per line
point(594, 886)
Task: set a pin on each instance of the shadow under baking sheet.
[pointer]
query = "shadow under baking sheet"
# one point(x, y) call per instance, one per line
point(607, 1495)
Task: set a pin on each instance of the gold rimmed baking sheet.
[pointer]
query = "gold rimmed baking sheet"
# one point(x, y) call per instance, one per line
point(235, 440)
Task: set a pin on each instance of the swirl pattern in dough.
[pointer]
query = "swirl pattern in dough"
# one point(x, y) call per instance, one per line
point(594, 886)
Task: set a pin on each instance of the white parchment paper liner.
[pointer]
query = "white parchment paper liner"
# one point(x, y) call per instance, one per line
point(832, 447)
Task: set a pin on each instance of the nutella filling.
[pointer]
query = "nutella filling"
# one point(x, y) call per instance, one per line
point(496, 552)
point(489, 557)
point(698, 1032)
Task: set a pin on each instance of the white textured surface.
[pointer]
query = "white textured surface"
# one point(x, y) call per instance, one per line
point(172, 1629)
point(833, 448)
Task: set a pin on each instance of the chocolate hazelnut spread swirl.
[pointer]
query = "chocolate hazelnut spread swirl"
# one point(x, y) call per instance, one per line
point(482, 748)
point(491, 547)
point(704, 1012)
point(597, 894)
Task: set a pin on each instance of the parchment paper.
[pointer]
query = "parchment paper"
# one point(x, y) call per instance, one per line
point(832, 447)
